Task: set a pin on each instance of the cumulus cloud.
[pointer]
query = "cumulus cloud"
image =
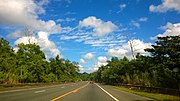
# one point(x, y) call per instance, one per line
point(46, 45)
point(100, 28)
point(88, 56)
point(87, 70)
point(102, 60)
point(25, 13)
point(42, 40)
point(82, 61)
point(26, 40)
point(170, 30)
point(124, 50)
point(117, 52)
point(167, 5)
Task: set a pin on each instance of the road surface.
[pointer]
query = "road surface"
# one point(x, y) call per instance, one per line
point(81, 91)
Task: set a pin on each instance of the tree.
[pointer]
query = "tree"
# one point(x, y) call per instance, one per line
point(167, 52)
point(31, 63)
point(7, 63)
point(166, 57)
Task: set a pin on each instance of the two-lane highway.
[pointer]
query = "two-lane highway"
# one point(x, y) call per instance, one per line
point(81, 91)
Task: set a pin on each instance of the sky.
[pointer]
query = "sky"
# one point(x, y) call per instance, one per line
point(89, 32)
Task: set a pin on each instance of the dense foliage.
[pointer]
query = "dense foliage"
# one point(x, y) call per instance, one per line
point(29, 65)
point(160, 68)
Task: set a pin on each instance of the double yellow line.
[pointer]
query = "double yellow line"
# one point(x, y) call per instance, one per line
point(73, 91)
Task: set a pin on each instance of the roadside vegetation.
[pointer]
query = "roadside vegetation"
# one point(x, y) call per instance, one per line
point(29, 65)
point(161, 68)
point(156, 96)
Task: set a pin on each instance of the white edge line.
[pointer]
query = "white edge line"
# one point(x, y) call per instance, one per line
point(107, 93)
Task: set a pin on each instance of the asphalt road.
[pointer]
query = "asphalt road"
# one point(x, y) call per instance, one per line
point(81, 91)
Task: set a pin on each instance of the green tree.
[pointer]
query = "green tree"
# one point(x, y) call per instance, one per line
point(166, 56)
point(7, 63)
point(31, 63)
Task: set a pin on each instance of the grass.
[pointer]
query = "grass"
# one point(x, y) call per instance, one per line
point(156, 96)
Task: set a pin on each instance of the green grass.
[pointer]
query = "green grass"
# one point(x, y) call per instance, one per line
point(156, 96)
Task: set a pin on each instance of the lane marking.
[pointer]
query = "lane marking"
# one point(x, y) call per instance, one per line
point(40, 91)
point(107, 93)
point(18, 90)
point(9, 91)
point(73, 91)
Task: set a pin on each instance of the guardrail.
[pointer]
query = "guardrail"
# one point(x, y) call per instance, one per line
point(162, 90)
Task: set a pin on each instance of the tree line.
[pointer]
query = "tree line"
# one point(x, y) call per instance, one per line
point(29, 65)
point(161, 68)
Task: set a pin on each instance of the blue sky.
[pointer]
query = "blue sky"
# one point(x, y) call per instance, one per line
point(88, 31)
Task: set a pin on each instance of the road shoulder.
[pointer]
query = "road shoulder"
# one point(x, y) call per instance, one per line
point(123, 95)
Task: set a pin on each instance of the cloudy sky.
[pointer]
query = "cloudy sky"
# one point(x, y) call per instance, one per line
point(88, 31)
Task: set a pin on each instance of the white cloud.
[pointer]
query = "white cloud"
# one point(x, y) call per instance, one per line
point(100, 27)
point(27, 40)
point(88, 56)
point(102, 59)
point(66, 20)
point(170, 30)
point(82, 61)
point(167, 5)
point(78, 35)
point(117, 52)
point(86, 69)
point(143, 19)
point(124, 50)
point(122, 6)
point(69, 37)
point(66, 29)
point(47, 46)
point(81, 68)
point(135, 23)
point(25, 13)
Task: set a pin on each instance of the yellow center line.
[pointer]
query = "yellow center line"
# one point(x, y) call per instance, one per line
point(73, 91)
